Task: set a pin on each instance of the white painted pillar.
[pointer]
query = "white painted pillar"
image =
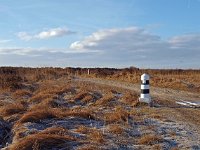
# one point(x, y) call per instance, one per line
point(145, 96)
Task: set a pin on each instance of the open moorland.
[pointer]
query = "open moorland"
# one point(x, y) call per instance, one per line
point(73, 108)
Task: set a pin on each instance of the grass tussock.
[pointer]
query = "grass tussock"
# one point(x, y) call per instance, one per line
point(150, 140)
point(40, 114)
point(82, 129)
point(117, 116)
point(157, 147)
point(55, 130)
point(21, 93)
point(36, 116)
point(50, 92)
point(40, 96)
point(85, 96)
point(87, 99)
point(88, 147)
point(12, 109)
point(81, 95)
point(130, 98)
point(96, 136)
point(50, 102)
point(140, 104)
point(87, 114)
point(46, 103)
point(115, 128)
point(56, 89)
point(42, 141)
point(105, 100)
point(88, 96)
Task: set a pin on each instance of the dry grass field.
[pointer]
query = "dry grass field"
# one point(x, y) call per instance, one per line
point(61, 109)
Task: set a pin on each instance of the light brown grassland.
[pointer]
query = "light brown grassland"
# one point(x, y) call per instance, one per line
point(49, 108)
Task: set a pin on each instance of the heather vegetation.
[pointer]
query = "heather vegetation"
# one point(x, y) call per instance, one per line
point(54, 108)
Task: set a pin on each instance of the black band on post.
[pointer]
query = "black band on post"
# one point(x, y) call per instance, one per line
point(145, 91)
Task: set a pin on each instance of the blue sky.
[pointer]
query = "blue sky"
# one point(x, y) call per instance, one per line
point(100, 33)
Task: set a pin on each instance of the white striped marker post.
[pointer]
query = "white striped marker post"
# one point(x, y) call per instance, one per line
point(145, 96)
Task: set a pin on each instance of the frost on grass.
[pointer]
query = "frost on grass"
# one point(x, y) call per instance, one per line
point(77, 114)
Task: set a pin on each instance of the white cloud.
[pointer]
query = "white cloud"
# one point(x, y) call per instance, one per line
point(17, 51)
point(127, 39)
point(189, 41)
point(29, 51)
point(51, 33)
point(127, 45)
point(134, 40)
point(24, 36)
point(57, 32)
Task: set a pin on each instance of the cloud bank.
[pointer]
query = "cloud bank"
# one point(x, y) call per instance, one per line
point(115, 40)
point(138, 46)
point(117, 47)
point(51, 33)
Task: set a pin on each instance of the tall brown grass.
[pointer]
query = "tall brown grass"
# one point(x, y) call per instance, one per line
point(43, 141)
point(96, 136)
point(82, 129)
point(46, 113)
point(107, 100)
point(51, 86)
point(21, 93)
point(130, 98)
point(115, 128)
point(150, 139)
point(117, 116)
point(36, 116)
point(11, 109)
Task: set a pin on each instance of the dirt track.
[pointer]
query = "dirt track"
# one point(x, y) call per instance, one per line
point(169, 95)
